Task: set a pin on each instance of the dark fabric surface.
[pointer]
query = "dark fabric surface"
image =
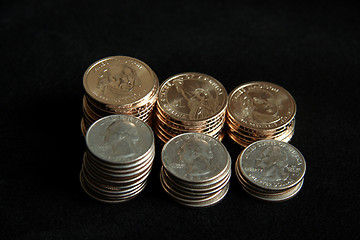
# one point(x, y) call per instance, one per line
point(313, 51)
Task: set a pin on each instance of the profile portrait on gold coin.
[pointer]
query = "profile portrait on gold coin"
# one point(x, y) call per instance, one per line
point(121, 139)
point(196, 156)
point(274, 161)
point(196, 101)
point(260, 106)
point(116, 80)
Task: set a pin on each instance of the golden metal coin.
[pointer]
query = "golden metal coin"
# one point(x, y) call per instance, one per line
point(119, 80)
point(192, 97)
point(261, 105)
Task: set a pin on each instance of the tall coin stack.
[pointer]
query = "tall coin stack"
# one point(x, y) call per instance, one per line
point(271, 170)
point(196, 169)
point(260, 110)
point(118, 85)
point(118, 159)
point(190, 102)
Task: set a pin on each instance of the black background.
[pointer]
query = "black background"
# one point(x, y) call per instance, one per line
point(313, 51)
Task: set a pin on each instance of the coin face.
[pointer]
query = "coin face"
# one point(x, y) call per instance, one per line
point(195, 157)
point(119, 80)
point(261, 105)
point(272, 164)
point(192, 97)
point(119, 139)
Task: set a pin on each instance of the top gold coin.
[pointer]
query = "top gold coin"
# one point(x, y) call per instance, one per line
point(119, 80)
point(261, 105)
point(192, 97)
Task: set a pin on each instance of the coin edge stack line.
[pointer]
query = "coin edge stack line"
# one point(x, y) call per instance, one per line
point(108, 182)
point(166, 126)
point(245, 135)
point(143, 108)
point(262, 193)
point(194, 193)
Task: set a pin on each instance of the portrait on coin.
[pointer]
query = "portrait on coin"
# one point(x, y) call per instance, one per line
point(260, 106)
point(196, 156)
point(274, 162)
point(121, 138)
point(116, 80)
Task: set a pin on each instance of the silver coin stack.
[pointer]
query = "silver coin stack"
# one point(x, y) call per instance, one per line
point(271, 170)
point(196, 169)
point(118, 159)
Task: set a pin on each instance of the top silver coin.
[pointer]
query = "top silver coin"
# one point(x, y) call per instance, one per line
point(272, 164)
point(119, 139)
point(195, 157)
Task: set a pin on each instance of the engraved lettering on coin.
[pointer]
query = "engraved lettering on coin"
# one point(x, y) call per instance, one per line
point(196, 157)
point(261, 105)
point(192, 96)
point(116, 80)
point(272, 164)
point(121, 138)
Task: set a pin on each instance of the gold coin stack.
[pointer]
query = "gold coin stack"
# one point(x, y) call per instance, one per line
point(190, 102)
point(118, 160)
point(119, 85)
point(196, 169)
point(260, 110)
point(271, 170)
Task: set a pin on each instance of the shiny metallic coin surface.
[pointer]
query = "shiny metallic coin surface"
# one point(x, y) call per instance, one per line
point(261, 105)
point(119, 138)
point(192, 97)
point(272, 164)
point(119, 80)
point(194, 157)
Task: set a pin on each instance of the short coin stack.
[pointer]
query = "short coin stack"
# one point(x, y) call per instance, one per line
point(118, 159)
point(190, 102)
point(119, 85)
point(196, 169)
point(260, 110)
point(271, 170)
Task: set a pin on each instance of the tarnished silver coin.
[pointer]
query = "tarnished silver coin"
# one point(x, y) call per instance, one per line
point(194, 157)
point(119, 139)
point(272, 164)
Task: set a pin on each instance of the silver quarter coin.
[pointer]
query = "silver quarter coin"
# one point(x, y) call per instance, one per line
point(272, 165)
point(194, 157)
point(119, 139)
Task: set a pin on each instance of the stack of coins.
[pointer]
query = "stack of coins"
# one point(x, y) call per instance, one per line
point(190, 102)
point(118, 85)
point(196, 169)
point(118, 159)
point(271, 170)
point(260, 110)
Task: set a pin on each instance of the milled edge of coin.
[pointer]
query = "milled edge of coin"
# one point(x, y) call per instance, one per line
point(216, 198)
point(93, 195)
point(197, 191)
point(278, 198)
